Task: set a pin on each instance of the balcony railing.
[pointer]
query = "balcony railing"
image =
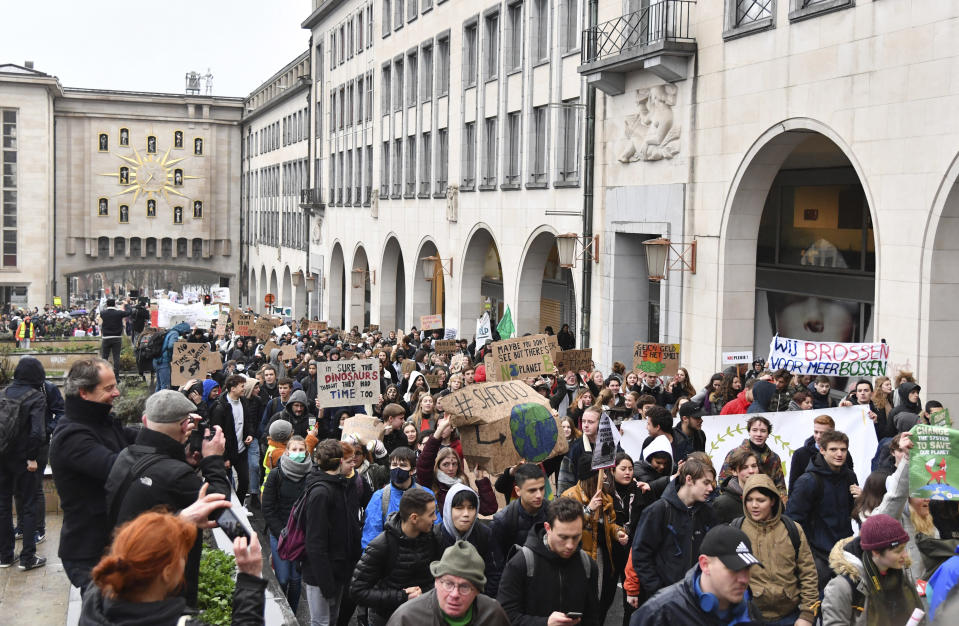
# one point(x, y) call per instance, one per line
point(659, 23)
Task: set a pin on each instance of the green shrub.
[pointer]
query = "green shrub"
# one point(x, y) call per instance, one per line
point(128, 407)
point(217, 579)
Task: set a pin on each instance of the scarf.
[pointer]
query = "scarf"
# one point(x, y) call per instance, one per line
point(891, 597)
point(293, 470)
point(445, 479)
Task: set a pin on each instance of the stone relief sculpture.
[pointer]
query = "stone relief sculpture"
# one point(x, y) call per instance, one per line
point(375, 205)
point(452, 202)
point(652, 134)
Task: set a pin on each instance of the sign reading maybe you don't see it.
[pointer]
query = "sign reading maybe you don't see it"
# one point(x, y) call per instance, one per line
point(522, 357)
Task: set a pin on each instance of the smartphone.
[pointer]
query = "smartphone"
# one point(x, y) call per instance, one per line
point(231, 525)
point(574, 615)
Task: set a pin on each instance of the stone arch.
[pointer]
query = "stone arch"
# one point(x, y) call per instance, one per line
point(300, 306)
point(286, 297)
point(392, 286)
point(742, 214)
point(336, 287)
point(429, 296)
point(264, 289)
point(481, 278)
point(252, 294)
point(361, 289)
point(274, 287)
point(546, 295)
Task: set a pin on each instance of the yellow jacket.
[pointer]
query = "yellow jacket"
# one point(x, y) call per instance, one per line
point(591, 523)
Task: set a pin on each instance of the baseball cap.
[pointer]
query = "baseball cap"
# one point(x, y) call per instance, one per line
point(731, 546)
point(691, 409)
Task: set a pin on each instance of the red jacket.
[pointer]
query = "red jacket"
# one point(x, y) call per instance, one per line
point(737, 406)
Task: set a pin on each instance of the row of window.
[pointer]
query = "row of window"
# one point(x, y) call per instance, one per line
point(149, 245)
point(351, 37)
point(8, 186)
point(398, 12)
point(351, 103)
point(408, 79)
point(351, 177)
point(291, 129)
point(748, 16)
point(273, 198)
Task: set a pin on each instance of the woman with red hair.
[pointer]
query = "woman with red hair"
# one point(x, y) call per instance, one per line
point(138, 581)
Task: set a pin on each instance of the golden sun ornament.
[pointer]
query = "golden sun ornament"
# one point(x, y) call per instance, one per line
point(150, 176)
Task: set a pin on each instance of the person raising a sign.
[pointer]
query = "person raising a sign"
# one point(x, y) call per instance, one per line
point(590, 426)
point(440, 468)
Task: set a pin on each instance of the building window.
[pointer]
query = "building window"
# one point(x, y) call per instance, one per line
point(568, 33)
point(540, 21)
point(369, 26)
point(348, 177)
point(398, 13)
point(411, 76)
point(398, 85)
point(514, 37)
point(427, 5)
point(443, 66)
point(426, 164)
point(427, 73)
point(360, 98)
point(385, 16)
point(489, 152)
point(469, 155)
point(397, 168)
point(369, 175)
point(567, 149)
point(385, 170)
point(513, 141)
point(491, 46)
point(386, 89)
point(746, 16)
point(411, 165)
point(369, 96)
point(442, 159)
point(801, 9)
point(8, 185)
point(360, 31)
point(537, 146)
point(411, 10)
point(469, 55)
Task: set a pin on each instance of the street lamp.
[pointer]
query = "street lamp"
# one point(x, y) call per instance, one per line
point(359, 277)
point(657, 257)
point(431, 265)
point(570, 246)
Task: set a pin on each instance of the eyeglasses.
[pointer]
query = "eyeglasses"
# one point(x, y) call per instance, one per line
point(449, 586)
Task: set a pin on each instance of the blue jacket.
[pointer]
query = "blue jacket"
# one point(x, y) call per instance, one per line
point(941, 582)
point(373, 525)
point(171, 338)
point(820, 502)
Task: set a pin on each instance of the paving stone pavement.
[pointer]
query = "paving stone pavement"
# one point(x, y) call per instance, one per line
point(38, 597)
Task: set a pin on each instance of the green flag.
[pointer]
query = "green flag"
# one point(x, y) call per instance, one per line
point(505, 327)
point(934, 463)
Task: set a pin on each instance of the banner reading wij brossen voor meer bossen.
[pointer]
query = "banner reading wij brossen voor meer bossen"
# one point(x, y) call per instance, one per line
point(828, 358)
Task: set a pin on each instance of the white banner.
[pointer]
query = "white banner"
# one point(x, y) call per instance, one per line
point(828, 358)
point(790, 431)
point(735, 358)
point(483, 332)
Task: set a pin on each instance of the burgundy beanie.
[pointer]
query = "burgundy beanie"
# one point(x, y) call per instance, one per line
point(880, 532)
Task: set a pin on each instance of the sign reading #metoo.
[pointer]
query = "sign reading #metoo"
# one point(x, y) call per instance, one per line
point(347, 383)
point(502, 423)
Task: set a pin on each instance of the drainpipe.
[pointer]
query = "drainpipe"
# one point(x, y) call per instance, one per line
point(53, 290)
point(309, 182)
point(589, 165)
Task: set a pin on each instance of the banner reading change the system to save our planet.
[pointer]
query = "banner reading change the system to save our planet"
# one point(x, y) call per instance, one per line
point(828, 358)
point(503, 423)
point(934, 463)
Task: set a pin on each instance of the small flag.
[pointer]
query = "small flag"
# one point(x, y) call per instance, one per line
point(505, 327)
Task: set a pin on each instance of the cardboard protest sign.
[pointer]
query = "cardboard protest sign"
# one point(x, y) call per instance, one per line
point(607, 438)
point(490, 370)
point(574, 360)
point(220, 329)
point(204, 324)
point(449, 333)
point(211, 362)
point(828, 358)
point(735, 358)
point(445, 346)
point(553, 346)
point(347, 383)
point(408, 366)
point(365, 427)
point(186, 362)
point(522, 357)
point(502, 423)
point(243, 324)
point(431, 322)
point(287, 352)
point(661, 359)
point(279, 331)
point(318, 326)
point(223, 317)
point(432, 380)
point(374, 327)
point(262, 328)
point(934, 463)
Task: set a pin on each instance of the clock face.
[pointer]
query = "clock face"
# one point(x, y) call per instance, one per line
point(151, 176)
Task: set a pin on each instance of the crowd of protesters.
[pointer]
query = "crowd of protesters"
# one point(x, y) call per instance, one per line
point(402, 529)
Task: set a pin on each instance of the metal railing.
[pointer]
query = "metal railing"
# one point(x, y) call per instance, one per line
point(310, 196)
point(665, 20)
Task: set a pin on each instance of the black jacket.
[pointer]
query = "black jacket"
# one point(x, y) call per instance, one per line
point(29, 378)
point(332, 533)
point(557, 584)
point(82, 452)
point(511, 526)
point(667, 540)
point(391, 563)
point(479, 538)
point(822, 505)
point(170, 482)
point(679, 604)
point(222, 415)
point(802, 457)
point(249, 602)
point(112, 322)
point(395, 439)
point(280, 493)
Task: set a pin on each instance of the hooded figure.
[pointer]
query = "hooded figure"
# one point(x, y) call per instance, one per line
point(905, 406)
point(762, 393)
point(208, 387)
point(645, 472)
point(301, 422)
point(787, 584)
point(478, 533)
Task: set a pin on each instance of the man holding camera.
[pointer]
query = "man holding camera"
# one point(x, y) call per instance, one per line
point(159, 468)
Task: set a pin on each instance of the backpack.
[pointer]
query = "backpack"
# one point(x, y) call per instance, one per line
point(126, 469)
point(291, 544)
point(530, 559)
point(10, 418)
point(150, 346)
point(792, 529)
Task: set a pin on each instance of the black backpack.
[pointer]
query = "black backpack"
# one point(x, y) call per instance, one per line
point(10, 418)
point(150, 346)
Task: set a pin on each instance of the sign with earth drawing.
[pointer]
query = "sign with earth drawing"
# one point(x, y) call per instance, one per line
point(522, 357)
point(661, 359)
point(503, 423)
point(934, 463)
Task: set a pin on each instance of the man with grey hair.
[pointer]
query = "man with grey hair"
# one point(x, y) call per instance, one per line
point(157, 470)
point(84, 447)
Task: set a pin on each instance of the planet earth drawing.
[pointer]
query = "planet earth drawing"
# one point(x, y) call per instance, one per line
point(939, 492)
point(534, 431)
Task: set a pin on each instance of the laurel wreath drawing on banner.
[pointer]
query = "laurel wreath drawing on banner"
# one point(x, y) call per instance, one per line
point(740, 430)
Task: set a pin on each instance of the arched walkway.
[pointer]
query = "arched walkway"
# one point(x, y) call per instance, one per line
point(481, 280)
point(360, 289)
point(336, 287)
point(787, 262)
point(252, 294)
point(300, 306)
point(392, 287)
point(274, 288)
point(429, 295)
point(286, 298)
point(546, 295)
point(264, 289)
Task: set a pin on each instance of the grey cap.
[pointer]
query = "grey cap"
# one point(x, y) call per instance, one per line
point(281, 430)
point(168, 407)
